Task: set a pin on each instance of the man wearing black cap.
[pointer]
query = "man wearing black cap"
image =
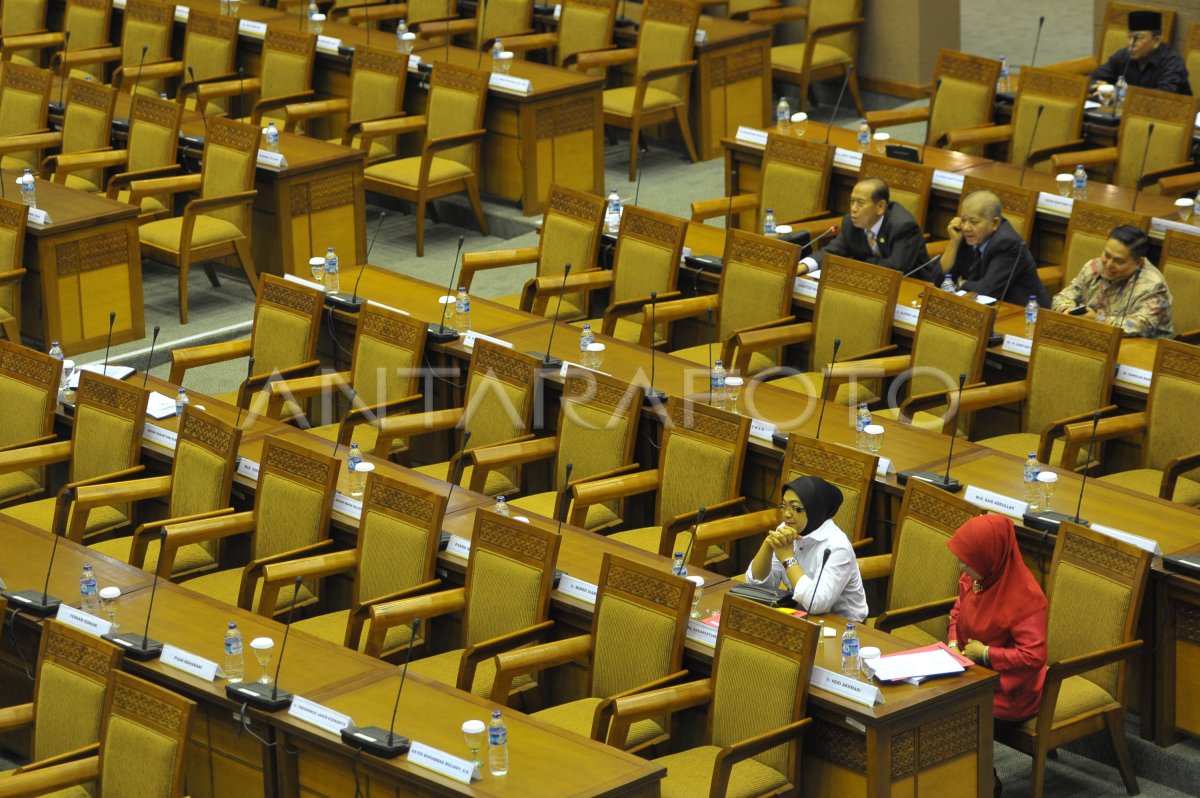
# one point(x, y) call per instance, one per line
point(1147, 61)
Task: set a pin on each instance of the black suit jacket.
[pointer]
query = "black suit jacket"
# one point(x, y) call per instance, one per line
point(900, 242)
point(1005, 251)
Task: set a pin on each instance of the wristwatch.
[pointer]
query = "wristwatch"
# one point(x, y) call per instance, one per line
point(789, 562)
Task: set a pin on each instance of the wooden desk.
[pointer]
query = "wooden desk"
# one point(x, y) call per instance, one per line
point(1177, 622)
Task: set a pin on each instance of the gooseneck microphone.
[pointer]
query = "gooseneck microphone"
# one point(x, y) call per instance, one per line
point(1047, 520)
point(709, 314)
point(268, 697)
point(112, 318)
point(811, 246)
point(650, 391)
point(352, 303)
point(137, 78)
point(196, 89)
point(922, 266)
point(692, 537)
point(837, 105)
point(62, 83)
point(338, 442)
point(444, 537)
point(40, 602)
point(995, 338)
point(563, 504)
point(837, 344)
point(440, 332)
point(817, 582)
point(378, 741)
point(1142, 170)
point(1037, 40)
point(249, 374)
point(140, 646)
point(943, 481)
point(150, 357)
point(548, 361)
point(1032, 137)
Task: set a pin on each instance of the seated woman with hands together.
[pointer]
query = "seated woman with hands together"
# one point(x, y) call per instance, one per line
point(809, 554)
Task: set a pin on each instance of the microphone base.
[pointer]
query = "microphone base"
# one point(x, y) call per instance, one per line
point(443, 540)
point(653, 394)
point(1048, 520)
point(937, 480)
point(376, 741)
point(995, 339)
point(31, 601)
point(351, 303)
point(136, 646)
point(440, 333)
point(547, 361)
point(780, 439)
point(1186, 564)
point(624, 22)
point(260, 696)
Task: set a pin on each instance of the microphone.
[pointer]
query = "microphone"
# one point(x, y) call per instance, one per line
point(367, 16)
point(817, 582)
point(692, 538)
point(650, 391)
point(922, 266)
point(708, 313)
point(196, 88)
point(444, 536)
point(112, 317)
point(549, 362)
point(140, 646)
point(942, 481)
point(1048, 520)
point(440, 332)
point(349, 410)
point(353, 303)
point(150, 357)
point(1037, 39)
point(242, 88)
point(62, 83)
point(995, 338)
point(1032, 136)
point(137, 78)
point(838, 104)
point(482, 26)
point(623, 21)
point(40, 602)
point(249, 374)
point(268, 697)
point(562, 497)
point(1129, 301)
point(383, 742)
point(837, 344)
point(811, 245)
point(1145, 151)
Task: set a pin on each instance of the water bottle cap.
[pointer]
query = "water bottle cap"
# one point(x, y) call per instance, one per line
point(495, 714)
point(499, 499)
point(232, 624)
point(679, 554)
point(850, 626)
point(87, 566)
point(53, 343)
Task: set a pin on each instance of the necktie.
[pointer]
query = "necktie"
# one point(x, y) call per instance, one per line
point(871, 242)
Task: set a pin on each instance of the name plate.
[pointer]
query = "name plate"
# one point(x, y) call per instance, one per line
point(761, 429)
point(1055, 203)
point(577, 588)
point(1146, 544)
point(83, 621)
point(995, 501)
point(187, 662)
point(118, 3)
point(566, 364)
point(1134, 376)
point(461, 770)
point(701, 36)
point(883, 467)
point(470, 338)
point(1017, 345)
point(414, 61)
point(1160, 225)
point(510, 83)
point(849, 158)
point(347, 506)
point(181, 13)
point(292, 278)
point(459, 547)
point(950, 180)
point(387, 307)
point(328, 44)
point(271, 160)
point(247, 468)
point(320, 716)
point(903, 314)
point(156, 434)
point(806, 288)
point(702, 633)
point(38, 216)
point(252, 28)
point(751, 135)
point(846, 686)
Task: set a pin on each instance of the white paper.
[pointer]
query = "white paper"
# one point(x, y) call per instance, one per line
point(292, 278)
point(917, 664)
point(950, 180)
point(577, 588)
point(347, 506)
point(414, 61)
point(846, 686)
point(252, 28)
point(702, 633)
point(271, 160)
point(998, 502)
point(806, 288)
point(906, 315)
point(115, 372)
point(851, 158)
point(1159, 225)
point(1146, 544)
point(510, 83)
point(83, 621)
point(187, 662)
point(701, 36)
point(751, 135)
point(159, 435)
point(247, 468)
point(459, 547)
point(328, 44)
point(814, 274)
point(461, 770)
point(181, 13)
point(1054, 203)
point(566, 364)
point(558, 11)
point(1088, 105)
point(1017, 345)
point(38, 216)
point(160, 405)
point(1134, 376)
point(470, 338)
point(883, 467)
point(984, 299)
point(761, 429)
point(317, 715)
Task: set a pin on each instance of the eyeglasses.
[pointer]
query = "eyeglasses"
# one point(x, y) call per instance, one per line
point(795, 508)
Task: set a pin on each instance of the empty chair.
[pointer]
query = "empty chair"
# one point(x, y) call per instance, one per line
point(29, 389)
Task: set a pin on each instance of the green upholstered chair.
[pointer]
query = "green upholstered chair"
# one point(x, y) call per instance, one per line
point(449, 160)
point(662, 68)
point(377, 80)
point(1180, 265)
point(499, 404)
point(414, 12)
point(209, 51)
point(395, 555)
point(89, 22)
point(794, 184)
point(597, 425)
point(285, 77)
point(1114, 33)
point(290, 519)
point(10, 296)
point(909, 184)
point(217, 223)
point(1095, 592)
point(636, 644)
point(757, 276)
point(503, 606)
point(66, 713)
point(849, 289)
point(494, 19)
point(829, 49)
point(1087, 232)
point(922, 572)
point(150, 721)
point(1169, 450)
point(22, 19)
point(763, 659)
point(1069, 377)
point(963, 95)
point(197, 487)
point(700, 464)
point(584, 26)
point(145, 39)
point(571, 232)
point(13, 217)
point(1019, 206)
point(384, 378)
point(105, 446)
point(24, 93)
point(29, 389)
point(283, 343)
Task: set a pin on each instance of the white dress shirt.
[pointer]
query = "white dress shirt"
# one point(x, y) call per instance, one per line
point(840, 589)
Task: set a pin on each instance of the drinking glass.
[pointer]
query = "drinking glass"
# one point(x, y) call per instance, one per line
point(733, 389)
point(473, 731)
point(233, 7)
point(407, 40)
point(1184, 206)
point(317, 267)
point(503, 63)
point(262, 647)
point(594, 355)
point(799, 123)
point(881, 142)
point(316, 24)
point(68, 370)
point(109, 597)
point(1065, 184)
point(358, 479)
point(698, 581)
point(448, 303)
point(1048, 480)
point(874, 438)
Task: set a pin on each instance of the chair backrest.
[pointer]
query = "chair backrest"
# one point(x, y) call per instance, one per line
point(1173, 117)
point(1088, 230)
point(498, 18)
point(597, 424)
point(377, 80)
point(153, 133)
point(908, 183)
point(87, 125)
point(756, 281)
point(13, 218)
point(500, 391)
point(287, 62)
point(584, 25)
point(851, 470)
point(1174, 396)
point(638, 602)
point(763, 659)
point(109, 416)
point(666, 38)
point(951, 339)
point(425, 10)
point(287, 320)
point(230, 153)
point(1191, 57)
point(1019, 205)
point(154, 722)
point(795, 178)
point(149, 24)
point(23, 16)
point(24, 94)
point(1071, 369)
point(1113, 36)
point(386, 361)
point(830, 12)
point(703, 451)
point(294, 497)
point(88, 21)
point(204, 463)
point(68, 696)
point(966, 89)
point(1180, 266)
point(1061, 95)
point(649, 244)
point(1094, 596)
point(571, 233)
point(509, 576)
point(923, 567)
point(852, 289)
point(28, 390)
point(398, 535)
point(209, 45)
point(456, 101)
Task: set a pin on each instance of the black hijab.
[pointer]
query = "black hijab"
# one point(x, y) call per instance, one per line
point(821, 500)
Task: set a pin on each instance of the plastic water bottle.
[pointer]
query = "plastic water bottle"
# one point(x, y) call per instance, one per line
point(783, 114)
point(89, 594)
point(462, 310)
point(271, 137)
point(28, 189)
point(333, 283)
point(864, 136)
point(1004, 84)
point(862, 420)
point(948, 284)
point(1033, 490)
point(501, 507)
point(56, 351)
point(679, 568)
point(497, 745)
point(353, 458)
point(716, 383)
point(181, 399)
point(769, 223)
point(235, 664)
point(1079, 186)
point(612, 217)
point(1031, 311)
point(586, 339)
point(312, 12)
point(497, 48)
point(850, 646)
point(1121, 90)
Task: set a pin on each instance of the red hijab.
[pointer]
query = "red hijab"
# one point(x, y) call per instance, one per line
point(988, 544)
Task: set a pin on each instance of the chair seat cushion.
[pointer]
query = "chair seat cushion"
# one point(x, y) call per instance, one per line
point(444, 668)
point(165, 233)
point(189, 558)
point(406, 171)
point(914, 634)
point(81, 184)
point(364, 435)
point(791, 56)
point(620, 101)
point(647, 539)
point(689, 774)
point(332, 627)
point(759, 361)
point(570, 311)
point(153, 205)
point(922, 420)
point(1020, 444)
point(1149, 480)
point(224, 586)
point(17, 483)
point(576, 716)
point(1076, 695)
point(40, 514)
point(497, 484)
point(379, 147)
point(598, 515)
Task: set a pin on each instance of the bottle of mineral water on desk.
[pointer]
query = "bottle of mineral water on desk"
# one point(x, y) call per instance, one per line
point(28, 189)
point(948, 284)
point(783, 114)
point(1033, 490)
point(1004, 84)
point(497, 745)
point(679, 568)
point(864, 136)
point(89, 594)
point(497, 48)
point(462, 310)
point(501, 507)
point(181, 399)
point(850, 645)
point(1121, 90)
point(612, 217)
point(1031, 311)
point(586, 339)
point(235, 664)
point(716, 384)
point(353, 458)
point(769, 223)
point(333, 282)
point(271, 137)
point(1079, 186)
point(56, 351)
point(862, 420)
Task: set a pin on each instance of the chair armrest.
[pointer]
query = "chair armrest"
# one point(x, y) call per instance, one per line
point(1076, 436)
point(1152, 176)
point(487, 649)
point(51, 779)
point(450, 142)
point(16, 717)
point(30, 141)
point(254, 569)
point(931, 399)
point(123, 75)
point(530, 41)
point(514, 663)
point(583, 280)
point(721, 206)
point(391, 126)
point(390, 614)
point(88, 497)
point(655, 703)
point(627, 307)
point(193, 356)
point(205, 204)
point(1171, 471)
point(744, 749)
point(976, 136)
point(315, 109)
point(888, 366)
point(473, 262)
point(992, 396)
point(602, 59)
point(1055, 430)
point(773, 337)
point(188, 532)
point(58, 759)
point(123, 180)
point(67, 59)
point(225, 88)
point(1042, 153)
point(33, 456)
point(433, 421)
point(899, 116)
point(152, 530)
point(1064, 669)
point(139, 189)
point(29, 41)
point(730, 343)
point(282, 101)
point(876, 566)
point(446, 27)
point(299, 388)
point(278, 575)
point(904, 616)
point(1076, 66)
point(1179, 184)
point(36, 441)
point(65, 163)
point(491, 457)
point(1088, 158)
point(825, 31)
point(599, 491)
point(658, 73)
point(675, 310)
point(479, 478)
point(727, 530)
point(776, 16)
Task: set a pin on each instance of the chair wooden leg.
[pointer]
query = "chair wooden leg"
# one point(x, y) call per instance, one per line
point(184, 267)
point(421, 226)
point(634, 132)
point(476, 205)
point(211, 271)
point(1037, 778)
point(858, 103)
point(1114, 721)
point(242, 248)
point(686, 130)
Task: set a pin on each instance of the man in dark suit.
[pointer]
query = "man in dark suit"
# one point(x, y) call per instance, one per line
point(985, 251)
point(877, 231)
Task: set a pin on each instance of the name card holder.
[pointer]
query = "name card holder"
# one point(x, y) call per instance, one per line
point(414, 61)
point(844, 157)
point(181, 13)
point(806, 288)
point(459, 547)
point(1160, 225)
point(328, 44)
point(578, 589)
point(187, 662)
point(701, 36)
point(159, 435)
point(387, 307)
point(1147, 544)
point(883, 467)
point(906, 315)
point(252, 28)
point(1055, 203)
point(470, 338)
point(318, 715)
point(271, 160)
point(998, 502)
point(761, 429)
point(566, 364)
point(846, 686)
point(1017, 345)
point(751, 135)
point(1134, 376)
point(247, 468)
point(347, 506)
point(453, 767)
point(510, 83)
point(38, 216)
point(949, 180)
point(83, 621)
point(292, 278)
point(702, 633)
